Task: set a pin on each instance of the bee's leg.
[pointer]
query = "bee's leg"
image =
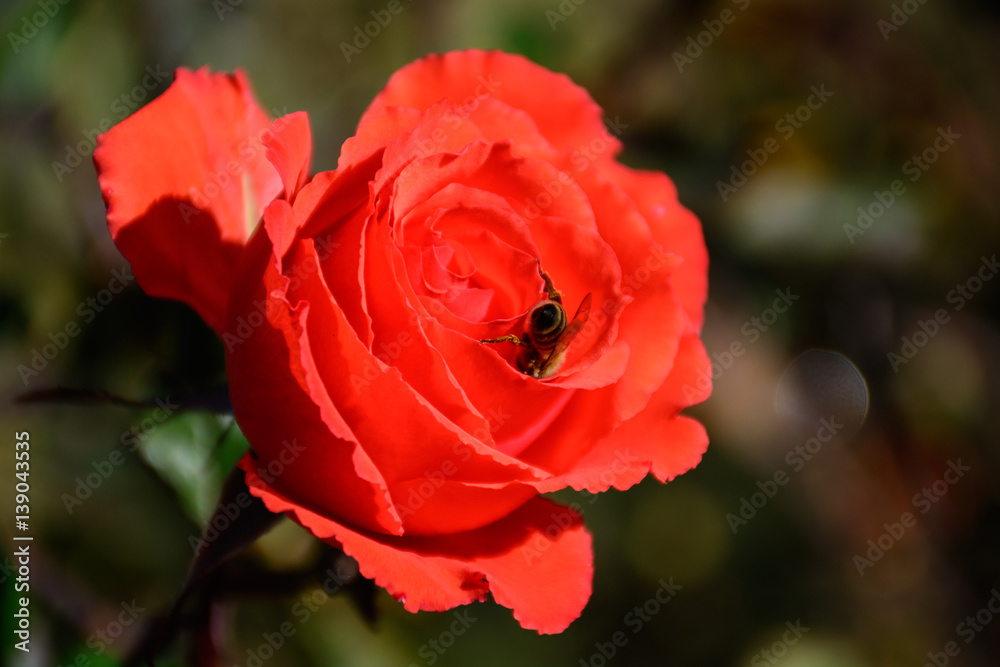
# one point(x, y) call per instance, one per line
point(550, 289)
point(509, 338)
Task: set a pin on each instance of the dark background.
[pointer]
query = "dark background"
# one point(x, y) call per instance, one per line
point(787, 226)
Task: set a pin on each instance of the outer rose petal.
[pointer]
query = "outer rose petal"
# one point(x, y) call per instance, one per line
point(563, 111)
point(185, 179)
point(676, 228)
point(268, 370)
point(656, 440)
point(536, 561)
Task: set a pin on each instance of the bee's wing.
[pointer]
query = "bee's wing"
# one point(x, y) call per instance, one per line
point(552, 362)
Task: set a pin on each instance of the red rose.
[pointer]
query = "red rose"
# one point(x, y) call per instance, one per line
point(354, 315)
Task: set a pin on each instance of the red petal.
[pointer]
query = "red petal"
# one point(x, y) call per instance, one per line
point(333, 208)
point(446, 129)
point(289, 148)
point(652, 326)
point(270, 371)
point(676, 229)
point(185, 179)
point(564, 112)
point(583, 421)
point(648, 443)
point(406, 436)
point(536, 561)
point(656, 440)
point(558, 215)
point(374, 133)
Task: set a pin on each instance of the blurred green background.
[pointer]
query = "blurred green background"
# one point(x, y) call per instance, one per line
point(778, 120)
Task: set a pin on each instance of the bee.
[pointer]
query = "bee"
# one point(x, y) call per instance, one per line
point(547, 332)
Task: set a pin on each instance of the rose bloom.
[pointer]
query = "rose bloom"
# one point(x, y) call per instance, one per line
point(403, 397)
